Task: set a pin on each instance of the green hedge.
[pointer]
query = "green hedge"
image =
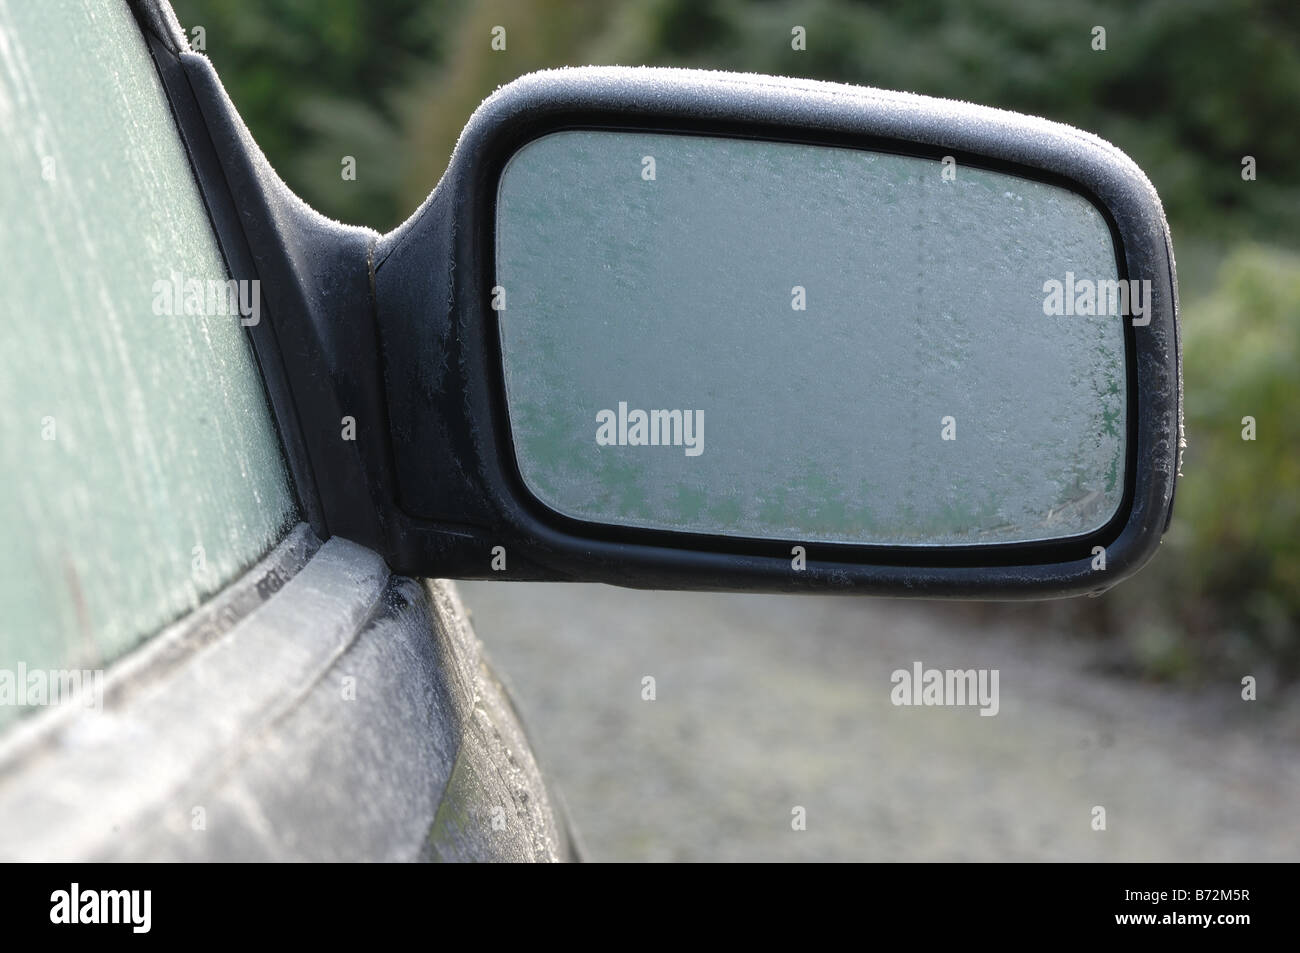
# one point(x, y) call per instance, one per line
point(1226, 582)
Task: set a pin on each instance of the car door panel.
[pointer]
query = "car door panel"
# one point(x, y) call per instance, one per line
point(321, 708)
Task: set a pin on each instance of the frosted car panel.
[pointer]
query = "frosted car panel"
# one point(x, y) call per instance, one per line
point(141, 468)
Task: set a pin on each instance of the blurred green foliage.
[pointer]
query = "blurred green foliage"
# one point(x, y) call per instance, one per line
point(1185, 87)
point(317, 80)
point(1225, 587)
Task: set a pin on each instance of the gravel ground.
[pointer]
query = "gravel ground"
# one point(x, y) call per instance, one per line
point(768, 703)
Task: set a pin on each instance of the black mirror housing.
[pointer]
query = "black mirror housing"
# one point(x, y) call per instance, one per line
point(454, 463)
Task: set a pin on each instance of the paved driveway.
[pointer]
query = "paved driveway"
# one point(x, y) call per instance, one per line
point(768, 703)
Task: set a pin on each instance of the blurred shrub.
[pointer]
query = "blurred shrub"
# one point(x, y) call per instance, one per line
point(317, 80)
point(1226, 583)
point(1240, 499)
point(1186, 87)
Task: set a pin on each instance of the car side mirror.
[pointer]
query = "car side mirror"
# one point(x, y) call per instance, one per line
point(690, 330)
point(714, 331)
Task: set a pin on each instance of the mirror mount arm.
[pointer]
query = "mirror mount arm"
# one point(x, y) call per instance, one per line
point(313, 327)
point(328, 351)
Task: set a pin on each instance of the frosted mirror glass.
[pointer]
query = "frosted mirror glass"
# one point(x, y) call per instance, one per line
point(796, 342)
